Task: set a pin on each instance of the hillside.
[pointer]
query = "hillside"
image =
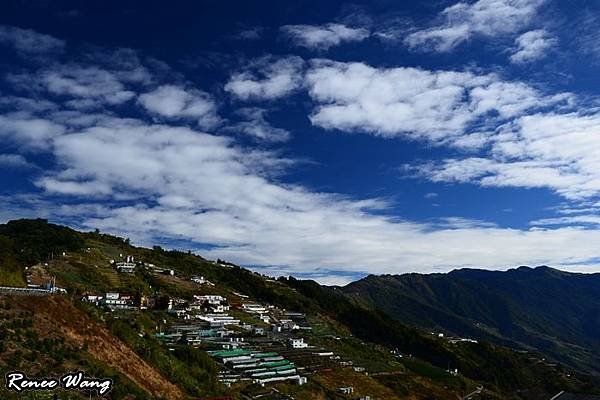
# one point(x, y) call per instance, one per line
point(55, 322)
point(541, 308)
point(158, 330)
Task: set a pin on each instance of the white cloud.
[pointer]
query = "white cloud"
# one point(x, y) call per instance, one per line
point(257, 126)
point(322, 37)
point(462, 223)
point(532, 46)
point(464, 20)
point(179, 183)
point(330, 279)
point(14, 161)
point(25, 104)
point(153, 156)
point(170, 101)
point(100, 78)
point(435, 105)
point(26, 130)
point(329, 236)
point(560, 152)
point(470, 141)
point(253, 33)
point(84, 86)
point(29, 42)
point(184, 184)
point(156, 182)
point(74, 188)
point(85, 82)
point(582, 220)
point(267, 79)
point(127, 65)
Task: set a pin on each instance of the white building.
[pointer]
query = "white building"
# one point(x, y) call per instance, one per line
point(254, 308)
point(298, 343)
point(301, 380)
point(210, 298)
point(259, 331)
point(126, 267)
point(95, 299)
point(288, 324)
point(118, 301)
point(264, 318)
point(219, 308)
point(218, 320)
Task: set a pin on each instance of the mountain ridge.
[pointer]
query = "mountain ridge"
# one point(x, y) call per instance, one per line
point(542, 307)
point(467, 270)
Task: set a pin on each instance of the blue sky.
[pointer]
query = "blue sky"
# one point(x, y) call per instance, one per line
point(321, 139)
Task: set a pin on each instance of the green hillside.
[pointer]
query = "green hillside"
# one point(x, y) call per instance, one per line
point(375, 354)
point(552, 311)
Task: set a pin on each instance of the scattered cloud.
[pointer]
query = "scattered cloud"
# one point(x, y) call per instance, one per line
point(532, 46)
point(158, 182)
point(331, 278)
point(323, 37)
point(127, 65)
point(581, 220)
point(23, 104)
point(154, 180)
point(462, 223)
point(583, 34)
point(560, 152)
point(435, 105)
point(469, 141)
point(28, 131)
point(175, 102)
point(85, 82)
point(257, 126)
point(84, 86)
point(28, 42)
point(14, 161)
point(267, 79)
point(250, 33)
point(462, 21)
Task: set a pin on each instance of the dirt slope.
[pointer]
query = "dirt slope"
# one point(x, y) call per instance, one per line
point(55, 316)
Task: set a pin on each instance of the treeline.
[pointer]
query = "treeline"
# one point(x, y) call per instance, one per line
point(26, 242)
point(35, 240)
point(502, 369)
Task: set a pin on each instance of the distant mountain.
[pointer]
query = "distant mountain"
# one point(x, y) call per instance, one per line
point(542, 308)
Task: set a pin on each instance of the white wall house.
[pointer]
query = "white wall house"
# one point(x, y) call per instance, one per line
point(254, 308)
point(126, 267)
point(210, 298)
point(118, 301)
point(298, 343)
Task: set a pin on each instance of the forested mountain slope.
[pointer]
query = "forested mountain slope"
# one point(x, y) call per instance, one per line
point(542, 308)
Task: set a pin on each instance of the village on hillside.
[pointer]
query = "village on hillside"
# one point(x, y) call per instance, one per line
point(255, 344)
point(252, 342)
